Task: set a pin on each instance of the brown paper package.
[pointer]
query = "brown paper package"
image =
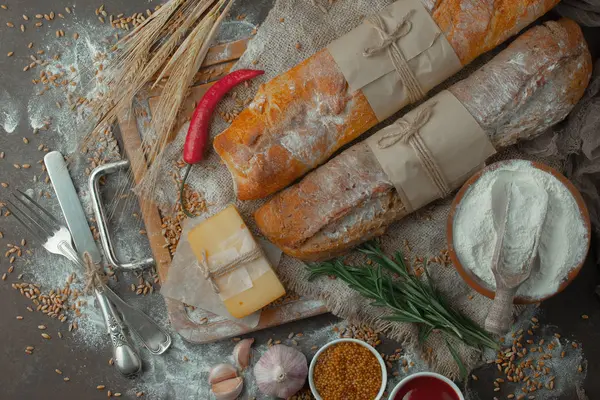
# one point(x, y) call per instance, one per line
point(301, 117)
point(531, 85)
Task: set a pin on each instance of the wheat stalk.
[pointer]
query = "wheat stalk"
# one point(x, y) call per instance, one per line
point(173, 44)
point(133, 60)
point(182, 68)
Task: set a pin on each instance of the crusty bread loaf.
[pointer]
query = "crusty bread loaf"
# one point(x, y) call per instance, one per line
point(300, 118)
point(526, 88)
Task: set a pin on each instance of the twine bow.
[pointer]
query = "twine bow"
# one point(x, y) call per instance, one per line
point(402, 29)
point(390, 43)
point(94, 274)
point(405, 130)
point(212, 274)
point(408, 132)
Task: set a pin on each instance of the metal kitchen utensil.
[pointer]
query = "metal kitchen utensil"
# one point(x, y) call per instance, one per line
point(57, 240)
point(70, 204)
point(508, 280)
point(154, 338)
point(100, 215)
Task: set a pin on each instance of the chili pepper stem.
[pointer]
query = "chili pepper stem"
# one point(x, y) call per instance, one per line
point(198, 132)
point(182, 192)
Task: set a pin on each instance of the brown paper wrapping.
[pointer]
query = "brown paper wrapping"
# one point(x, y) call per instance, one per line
point(430, 57)
point(452, 136)
point(186, 282)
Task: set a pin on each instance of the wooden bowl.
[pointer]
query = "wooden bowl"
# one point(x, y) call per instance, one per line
point(474, 281)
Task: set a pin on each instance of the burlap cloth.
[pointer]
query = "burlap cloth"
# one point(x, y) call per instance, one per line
point(275, 48)
point(585, 12)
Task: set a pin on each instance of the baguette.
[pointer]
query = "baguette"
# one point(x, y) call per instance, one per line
point(300, 118)
point(526, 88)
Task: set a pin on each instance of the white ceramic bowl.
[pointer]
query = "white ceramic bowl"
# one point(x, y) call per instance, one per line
point(313, 363)
point(431, 374)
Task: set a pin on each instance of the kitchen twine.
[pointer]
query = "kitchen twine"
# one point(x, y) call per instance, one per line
point(94, 274)
point(408, 132)
point(211, 275)
point(400, 63)
point(274, 45)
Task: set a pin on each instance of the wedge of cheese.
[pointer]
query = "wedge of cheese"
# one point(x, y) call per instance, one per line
point(222, 238)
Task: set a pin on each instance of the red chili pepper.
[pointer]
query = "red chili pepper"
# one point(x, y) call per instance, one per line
point(197, 135)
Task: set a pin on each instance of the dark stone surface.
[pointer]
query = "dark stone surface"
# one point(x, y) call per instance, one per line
point(33, 377)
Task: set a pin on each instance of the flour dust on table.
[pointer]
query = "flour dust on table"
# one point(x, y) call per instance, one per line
point(9, 112)
point(79, 63)
point(551, 367)
point(183, 371)
point(563, 240)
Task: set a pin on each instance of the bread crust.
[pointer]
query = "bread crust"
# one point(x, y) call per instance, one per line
point(301, 117)
point(531, 85)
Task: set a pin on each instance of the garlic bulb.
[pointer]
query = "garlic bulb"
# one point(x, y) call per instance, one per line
point(242, 353)
point(281, 371)
point(229, 389)
point(221, 372)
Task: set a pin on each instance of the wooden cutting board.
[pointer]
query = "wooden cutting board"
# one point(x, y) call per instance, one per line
point(195, 325)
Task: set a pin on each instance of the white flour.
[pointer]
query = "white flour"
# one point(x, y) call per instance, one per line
point(563, 241)
point(9, 112)
point(80, 54)
point(523, 223)
point(567, 357)
point(182, 372)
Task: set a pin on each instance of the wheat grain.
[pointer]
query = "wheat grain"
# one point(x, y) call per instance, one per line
point(179, 54)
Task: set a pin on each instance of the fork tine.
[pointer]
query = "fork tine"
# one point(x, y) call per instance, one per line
point(41, 208)
point(34, 217)
point(40, 221)
point(27, 226)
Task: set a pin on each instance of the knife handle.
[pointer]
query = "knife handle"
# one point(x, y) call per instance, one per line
point(154, 338)
point(126, 359)
point(70, 205)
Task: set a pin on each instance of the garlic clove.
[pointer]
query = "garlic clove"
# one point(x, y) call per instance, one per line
point(229, 389)
point(221, 372)
point(242, 352)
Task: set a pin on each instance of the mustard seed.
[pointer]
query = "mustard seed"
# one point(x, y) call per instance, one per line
point(347, 371)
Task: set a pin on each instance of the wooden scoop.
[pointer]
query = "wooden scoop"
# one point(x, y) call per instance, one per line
point(514, 259)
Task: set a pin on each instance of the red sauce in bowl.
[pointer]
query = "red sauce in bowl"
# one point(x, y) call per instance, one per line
point(426, 388)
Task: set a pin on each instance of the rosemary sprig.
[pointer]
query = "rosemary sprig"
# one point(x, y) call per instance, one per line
point(409, 298)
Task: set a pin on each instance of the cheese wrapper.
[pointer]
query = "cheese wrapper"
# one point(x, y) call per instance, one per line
point(244, 289)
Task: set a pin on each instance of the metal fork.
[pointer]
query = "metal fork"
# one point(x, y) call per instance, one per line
point(57, 239)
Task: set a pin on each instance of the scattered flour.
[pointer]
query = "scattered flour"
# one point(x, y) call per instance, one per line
point(9, 112)
point(235, 30)
point(78, 62)
point(165, 377)
point(568, 380)
point(563, 241)
point(168, 376)
point(66, 129)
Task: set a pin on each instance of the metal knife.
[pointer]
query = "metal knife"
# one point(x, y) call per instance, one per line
point(154, 338)
point(70, 205)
